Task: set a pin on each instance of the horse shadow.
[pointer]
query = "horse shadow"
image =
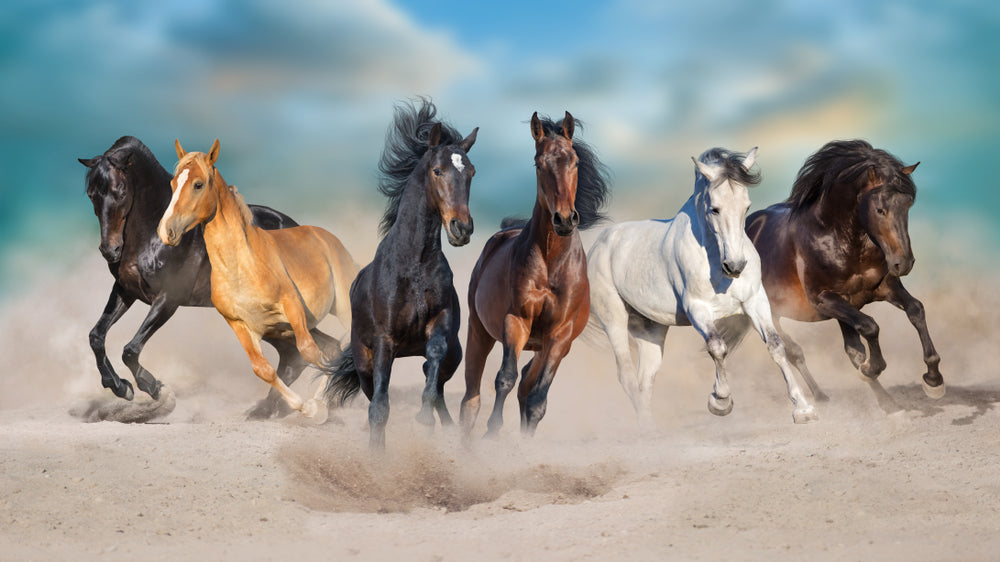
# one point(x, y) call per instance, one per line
point(981, 399)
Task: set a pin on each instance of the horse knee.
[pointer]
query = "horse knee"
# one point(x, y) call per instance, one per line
point(437, 348)
point(130, 355)
point(868, 328)
point(506, 379)
point(775, 345)
point(716, 347)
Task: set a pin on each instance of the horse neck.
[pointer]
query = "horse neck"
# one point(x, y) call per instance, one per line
point(228, 233)
point(417, 229)
point(150, 184)
point(836, 212)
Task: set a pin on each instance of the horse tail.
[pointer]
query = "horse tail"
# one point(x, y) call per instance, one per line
point(344, 381)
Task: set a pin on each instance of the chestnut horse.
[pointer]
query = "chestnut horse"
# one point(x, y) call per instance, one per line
point(839, 242)
point(404, 302)
point(529, 289)
point(130, 190)
point(266, 283)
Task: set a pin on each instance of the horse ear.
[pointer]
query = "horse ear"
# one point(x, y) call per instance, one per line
point(569, 124)
point(872, 178)
point(435, 137)
point(705, 169)
point(909, 169)
point(89, 162)
point(537, 131)
point(213, 153)
point(750, 159)
point(180, 151)
point(468, 141)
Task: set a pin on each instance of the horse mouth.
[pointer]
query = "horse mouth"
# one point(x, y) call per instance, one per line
point(459, 233)
point(565, 230)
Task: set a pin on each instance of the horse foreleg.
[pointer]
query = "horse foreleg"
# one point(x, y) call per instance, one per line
point(290, 366)
point(534, 390)
point(853, 346)
point(898, 296)
point(798, 360)
point(515, 337)
point(263, 369)
point(759, 311)
point(118, 303)
point(447, 370)
point(291, 306)
point(720, 402)
point(378, 410)
point(835, 306)
point(159, 312)
point(478, 345)
point(435, 352)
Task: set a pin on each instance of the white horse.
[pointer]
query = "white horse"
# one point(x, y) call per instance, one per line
point(697, 269)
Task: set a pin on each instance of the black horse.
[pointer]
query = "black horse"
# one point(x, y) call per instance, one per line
point(404, 303)
point(130, 191)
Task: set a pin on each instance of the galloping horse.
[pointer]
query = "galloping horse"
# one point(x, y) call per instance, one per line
point(697, 269)
point(274, 284)
point(839, 242)
point(404, 302)
point(529, 289)
point(130, 190)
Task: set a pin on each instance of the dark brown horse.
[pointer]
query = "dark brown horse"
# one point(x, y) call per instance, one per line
point(404, 303)
point(529, 289)
point(130, 190)
point(840, 242)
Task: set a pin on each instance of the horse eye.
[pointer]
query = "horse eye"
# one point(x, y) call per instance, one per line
point(437, 171)
point(199, 184)
point(715, 210)
point(880, 211)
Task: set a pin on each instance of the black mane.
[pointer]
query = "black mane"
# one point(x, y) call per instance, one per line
point(124, 151)
point(841, 164)
point(593, 180)
point(405, 145)
point(732, 163)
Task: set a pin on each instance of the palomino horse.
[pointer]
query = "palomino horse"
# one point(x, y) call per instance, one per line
point(274, 284)
point(404, 302)
point(529, 289)
point(839, 242)
point(130, 190)
point(697, 269)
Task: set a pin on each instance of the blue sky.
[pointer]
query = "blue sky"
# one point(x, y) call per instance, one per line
point(300, 94)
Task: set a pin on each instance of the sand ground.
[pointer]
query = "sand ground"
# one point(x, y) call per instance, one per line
point(901, 479)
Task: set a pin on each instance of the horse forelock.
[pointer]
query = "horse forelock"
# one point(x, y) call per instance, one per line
point(593, 182)
point(731, 163)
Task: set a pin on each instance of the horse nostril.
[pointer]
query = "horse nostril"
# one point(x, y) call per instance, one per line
point(574, 217)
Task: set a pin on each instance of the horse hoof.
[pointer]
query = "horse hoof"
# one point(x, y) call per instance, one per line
point(125, 391)
point(425, 418)
point(720, 406)
point(309, 408)
point(261, 411)
point(805, 415)
point(934, 392)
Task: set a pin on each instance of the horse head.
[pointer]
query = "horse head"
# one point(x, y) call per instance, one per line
point(109, 190)
point(723, 202)
point(449, 176)
point(193, 201)
point(883, 210)
point(556, 170)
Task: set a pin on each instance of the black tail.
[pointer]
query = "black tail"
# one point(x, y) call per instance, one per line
point(344, 382)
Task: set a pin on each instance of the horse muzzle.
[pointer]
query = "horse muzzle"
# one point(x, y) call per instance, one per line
point(459, 233)
point(901, 266)
point(565, 225)
point(111, 253)
point(733, 268)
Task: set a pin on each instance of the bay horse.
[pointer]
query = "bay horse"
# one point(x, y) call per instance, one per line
point(130, 190)
point(529, 289)
point(698, 269)
point(275, 284)
point(839, 242)
point(404, 301)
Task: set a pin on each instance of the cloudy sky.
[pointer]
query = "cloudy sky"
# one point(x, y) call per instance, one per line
point(300, 93)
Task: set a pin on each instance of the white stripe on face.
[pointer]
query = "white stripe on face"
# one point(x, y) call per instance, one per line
point(456, 159)
point(181, 180)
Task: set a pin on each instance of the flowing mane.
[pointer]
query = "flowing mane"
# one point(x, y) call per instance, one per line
point(732, 163)
point(405, 144)
point(593, 177)
point(843, 165)
point(98, 177)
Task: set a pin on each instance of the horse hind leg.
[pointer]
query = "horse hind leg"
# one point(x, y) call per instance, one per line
point(436, 351)
point(263, 369)
point(290, 367)
point(803, 412)
point(649, 338)
point(448, 367)
point(478, 346)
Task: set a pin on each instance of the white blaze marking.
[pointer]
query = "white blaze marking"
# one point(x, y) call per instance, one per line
point(456, 159)
point(181, 180)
